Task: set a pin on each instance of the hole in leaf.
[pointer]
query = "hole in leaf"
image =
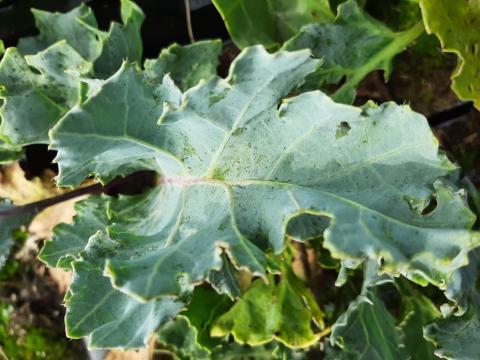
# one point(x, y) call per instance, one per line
point(35, 70)
point(342, 129)
point(422, 206)
point(381, 263)
point(431, 206)
point(304, 227)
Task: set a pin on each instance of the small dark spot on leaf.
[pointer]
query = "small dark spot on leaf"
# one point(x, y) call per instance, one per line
point(239, 131)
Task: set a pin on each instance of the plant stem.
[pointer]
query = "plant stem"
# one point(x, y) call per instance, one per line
point(401, 42)
point(188, 17)
point(95, 189)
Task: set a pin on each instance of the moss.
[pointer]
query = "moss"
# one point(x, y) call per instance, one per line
point(33, 343)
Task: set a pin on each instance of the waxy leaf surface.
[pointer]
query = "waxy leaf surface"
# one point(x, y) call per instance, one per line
point(108, 317)
point(94, 308)
point(237, 164)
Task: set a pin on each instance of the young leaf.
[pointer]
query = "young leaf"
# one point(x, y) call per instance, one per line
point(457, 26)
point(265, 313)
point(236, 170)
point(270, 22)
point(351, 47)
point(37, 90)
point(367, 329)
point(180, 338)
point(418, 312)
point(203, 310)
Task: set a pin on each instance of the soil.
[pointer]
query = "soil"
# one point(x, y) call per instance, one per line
point(37, 301)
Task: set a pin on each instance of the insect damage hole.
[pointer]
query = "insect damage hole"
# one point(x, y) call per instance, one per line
point(342, 129)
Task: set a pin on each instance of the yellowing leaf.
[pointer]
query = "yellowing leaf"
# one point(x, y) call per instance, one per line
point(270, 311)
point(457, 26)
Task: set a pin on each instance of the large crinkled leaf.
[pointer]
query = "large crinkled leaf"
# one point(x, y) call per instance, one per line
point(457, 26)
point(79, 28)
point(37, 90)
point(367, 330)
point(2, 48)
point(108, 317)
point(171, 252)
point(8, 225)
point(128, 96)
point(94, 308)
point(270, 22)
point(235, 171)
point(187, 65)
point(351, 47)
point(265, 312)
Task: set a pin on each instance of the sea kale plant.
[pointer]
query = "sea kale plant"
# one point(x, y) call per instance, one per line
point(284, 222)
